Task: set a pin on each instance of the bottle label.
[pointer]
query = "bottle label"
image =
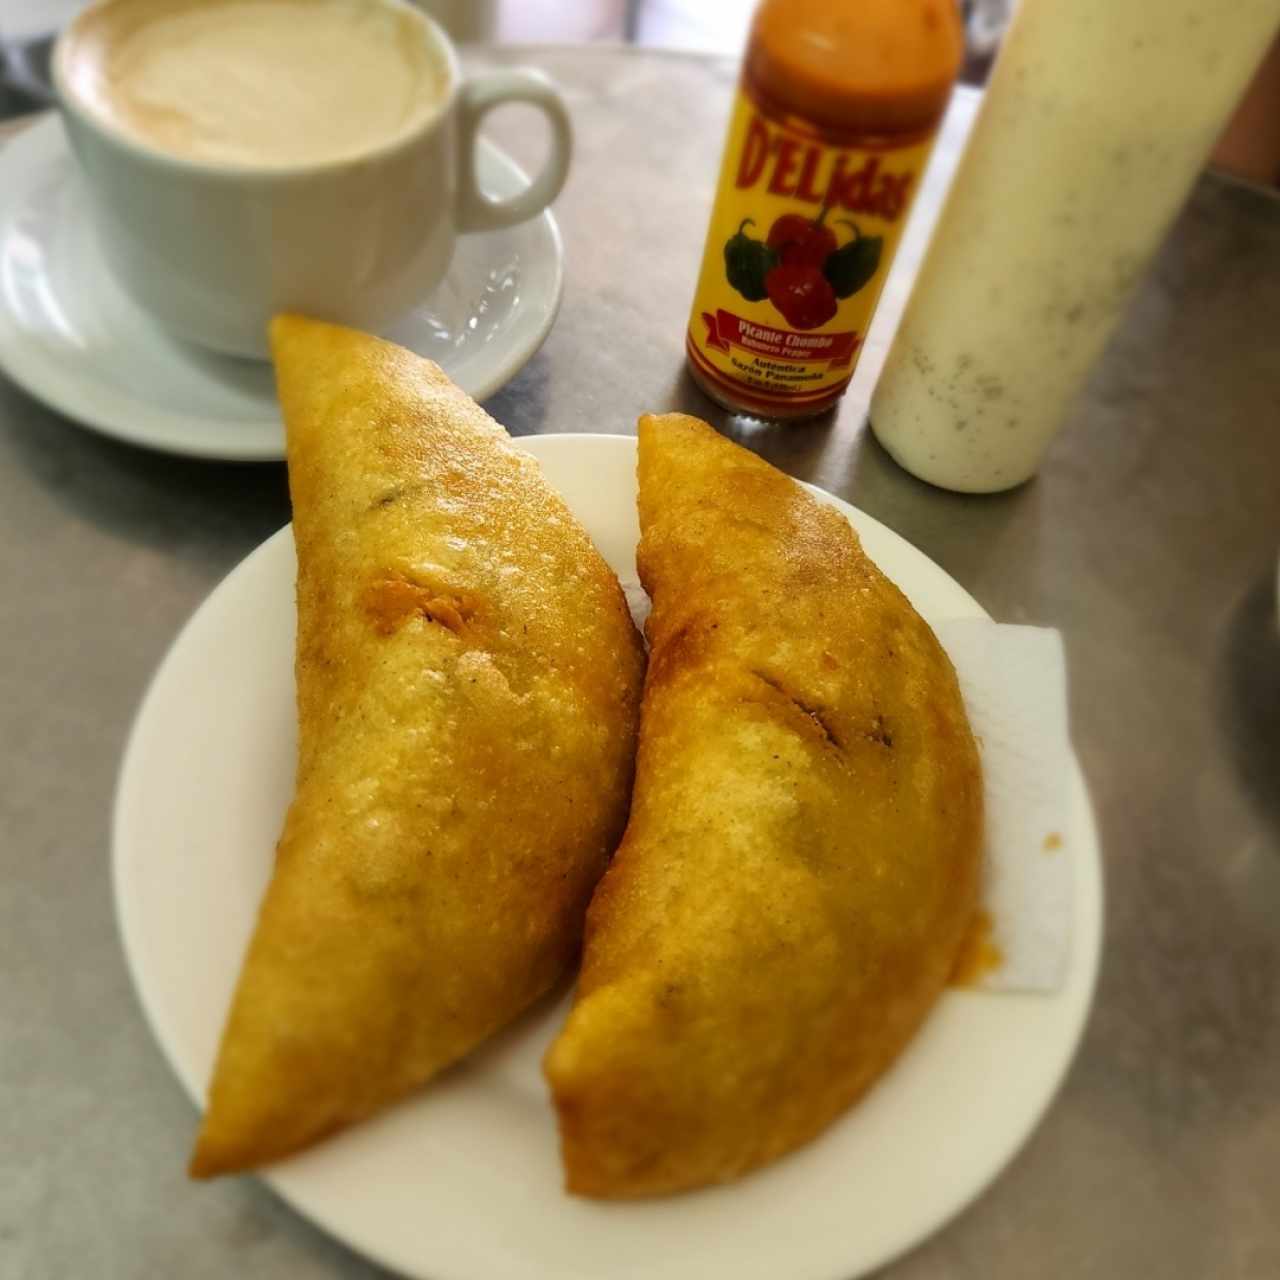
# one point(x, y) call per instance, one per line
point(804, 226)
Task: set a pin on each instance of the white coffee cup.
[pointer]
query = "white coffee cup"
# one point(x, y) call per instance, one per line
point(213, 250)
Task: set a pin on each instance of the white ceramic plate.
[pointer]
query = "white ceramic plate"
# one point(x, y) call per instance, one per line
point(463, 1181)
point(71, 337)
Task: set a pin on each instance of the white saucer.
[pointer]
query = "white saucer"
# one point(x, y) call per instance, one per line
point(71, 337)
point(463, 1181)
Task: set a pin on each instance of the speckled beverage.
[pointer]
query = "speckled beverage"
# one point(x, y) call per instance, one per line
point(1099, 116)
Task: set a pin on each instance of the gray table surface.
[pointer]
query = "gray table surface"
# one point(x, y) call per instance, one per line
point(1150, 538)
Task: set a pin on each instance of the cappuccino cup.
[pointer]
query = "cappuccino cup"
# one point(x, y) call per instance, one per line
point(246, 157)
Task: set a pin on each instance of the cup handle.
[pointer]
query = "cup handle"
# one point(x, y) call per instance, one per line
point(477, 211)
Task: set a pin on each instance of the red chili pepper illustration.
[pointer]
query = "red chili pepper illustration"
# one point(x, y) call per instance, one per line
point(802, 293)
point(801, 242)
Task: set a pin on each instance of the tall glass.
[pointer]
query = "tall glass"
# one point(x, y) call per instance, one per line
point(1098, 117)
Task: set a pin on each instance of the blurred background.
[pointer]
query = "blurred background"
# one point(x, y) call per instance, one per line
point(1250, 146)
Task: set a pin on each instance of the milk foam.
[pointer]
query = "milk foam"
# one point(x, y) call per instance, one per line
point(256, 82)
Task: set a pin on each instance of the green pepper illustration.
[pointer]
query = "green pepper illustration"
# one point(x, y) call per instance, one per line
point(853, 264)
point(747, 262)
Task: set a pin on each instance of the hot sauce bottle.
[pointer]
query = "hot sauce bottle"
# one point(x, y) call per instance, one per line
point(834, 118)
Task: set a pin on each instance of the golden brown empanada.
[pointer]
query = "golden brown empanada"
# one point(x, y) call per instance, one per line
point(468, 681)
point(802, 857)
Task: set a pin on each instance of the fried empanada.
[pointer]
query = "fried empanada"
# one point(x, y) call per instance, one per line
point(468, 681)
point(802, 858)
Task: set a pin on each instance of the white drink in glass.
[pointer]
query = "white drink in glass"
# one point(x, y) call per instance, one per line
point(1098, 118)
